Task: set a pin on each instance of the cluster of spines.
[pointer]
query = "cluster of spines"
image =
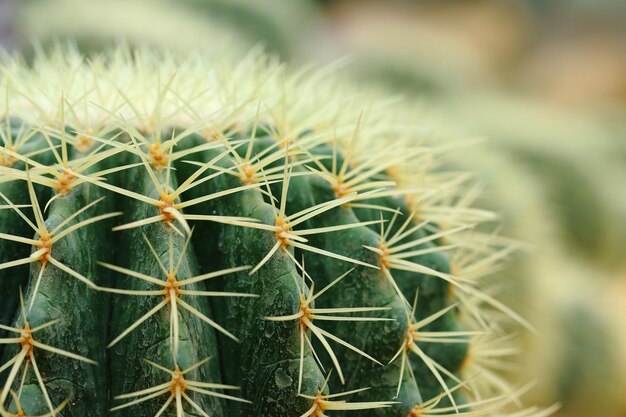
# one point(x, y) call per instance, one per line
point(360, 181)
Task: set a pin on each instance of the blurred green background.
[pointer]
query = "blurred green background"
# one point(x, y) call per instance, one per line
point(544, 82)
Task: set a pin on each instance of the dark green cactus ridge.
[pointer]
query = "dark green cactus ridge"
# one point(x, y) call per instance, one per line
point(232, 262)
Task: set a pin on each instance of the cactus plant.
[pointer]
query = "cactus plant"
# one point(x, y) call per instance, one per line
point(218, 236)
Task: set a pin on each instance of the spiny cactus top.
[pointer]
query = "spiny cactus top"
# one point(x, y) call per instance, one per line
point(223, 237)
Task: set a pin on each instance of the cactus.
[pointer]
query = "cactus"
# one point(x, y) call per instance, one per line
point(218, 236)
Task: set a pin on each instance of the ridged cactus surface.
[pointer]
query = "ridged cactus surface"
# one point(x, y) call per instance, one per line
point(210, 236)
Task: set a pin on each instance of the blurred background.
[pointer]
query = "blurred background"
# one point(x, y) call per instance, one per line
point(543, 82)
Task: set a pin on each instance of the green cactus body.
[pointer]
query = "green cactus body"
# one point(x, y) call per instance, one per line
point(17, 138)
point(12, 279)
point(197, 341)
point(223, 258)
point(58, 294)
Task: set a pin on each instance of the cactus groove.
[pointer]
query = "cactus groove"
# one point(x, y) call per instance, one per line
point(218, 236)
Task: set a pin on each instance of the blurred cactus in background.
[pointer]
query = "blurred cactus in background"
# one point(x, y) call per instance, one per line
point(7, 24)
point(571, 273)
point(177, 25)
